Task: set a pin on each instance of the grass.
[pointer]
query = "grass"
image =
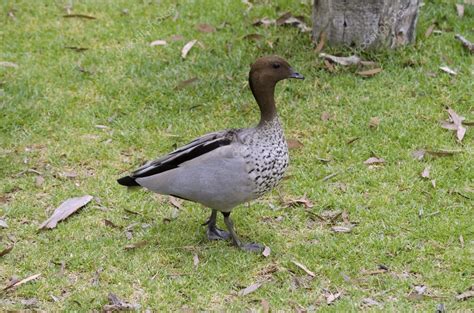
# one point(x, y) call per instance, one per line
point(49, 109)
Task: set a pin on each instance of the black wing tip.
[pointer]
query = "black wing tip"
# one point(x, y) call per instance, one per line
point(127, 181)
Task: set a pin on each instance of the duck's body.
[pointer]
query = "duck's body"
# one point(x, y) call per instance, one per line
point(224, 169)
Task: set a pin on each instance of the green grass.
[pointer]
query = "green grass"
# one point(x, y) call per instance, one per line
point(49, 110)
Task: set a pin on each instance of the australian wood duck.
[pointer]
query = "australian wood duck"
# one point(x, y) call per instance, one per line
point(224, 169)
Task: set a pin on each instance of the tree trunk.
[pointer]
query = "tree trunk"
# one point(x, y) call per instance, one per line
point(365, 23)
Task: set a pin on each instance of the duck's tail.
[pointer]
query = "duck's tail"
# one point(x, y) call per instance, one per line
point(128, 181)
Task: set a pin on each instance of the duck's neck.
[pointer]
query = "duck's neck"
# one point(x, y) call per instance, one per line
point(264, 95)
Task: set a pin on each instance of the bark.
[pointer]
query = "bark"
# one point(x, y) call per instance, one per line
point(365, 23)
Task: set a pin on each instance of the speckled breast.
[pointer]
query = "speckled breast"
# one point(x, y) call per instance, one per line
point(267, 157)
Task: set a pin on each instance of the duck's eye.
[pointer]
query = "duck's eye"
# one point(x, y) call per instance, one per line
point(276, 65)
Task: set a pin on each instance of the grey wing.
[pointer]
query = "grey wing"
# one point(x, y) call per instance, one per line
point(192, 150)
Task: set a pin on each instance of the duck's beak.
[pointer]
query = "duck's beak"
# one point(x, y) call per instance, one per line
point(295, 74)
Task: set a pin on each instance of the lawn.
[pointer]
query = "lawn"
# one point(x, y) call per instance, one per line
point(72, 121)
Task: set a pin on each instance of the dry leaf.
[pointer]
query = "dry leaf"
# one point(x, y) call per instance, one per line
point(460, 9)
point(186, 83)
point(426, 172)
point(265, 306)
point(448, 70)
point(297, 202)
point(249, 289)
point(370, 72)
point(466, 43)
point(253, 37)
point(374, 122)
point(176, 202)
point(304, 268)
point(342, 229)
point(266, 252)
point(187, 47)
point(329, 66)
point(39, 180)
point(374, 160)
point(7, 250)
point(429, 31)
point(136, 245)
point(325, 116)
point(65, 210)
point(176, 38)
point(115, 304)
point(205, 28)
point(290, 20)
point(263, 22)
point(368, 302)
point(111, 224)
point(331, 297)
point(294, 143)
point(417, 292)
point(80, 16)
point(158, 43)
point(321, 43)
point(8, 64)
point(69, 174)
point(461, 241)
point(345, 61)
point(466, 294)
point(3, 224)
point(21, 282)
point(195, 260)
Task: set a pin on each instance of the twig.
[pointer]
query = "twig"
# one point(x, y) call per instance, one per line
point(466, 43)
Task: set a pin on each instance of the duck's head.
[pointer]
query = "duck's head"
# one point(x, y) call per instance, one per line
point(271, 69)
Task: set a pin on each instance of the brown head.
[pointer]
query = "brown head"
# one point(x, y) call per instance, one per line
point(263, 76)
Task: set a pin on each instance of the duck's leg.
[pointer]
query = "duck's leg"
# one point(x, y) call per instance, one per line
point(214, 233)
point(253, 247)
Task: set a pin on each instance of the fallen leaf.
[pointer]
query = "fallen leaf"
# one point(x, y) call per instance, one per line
point(297, 202)
point(253, 37)
point(368, 302)
point(176, 202)
point(263, 22)
point(374, 160)
point(176, 38)
point(290, 20)
point(187, 47)
point(329, 66)
point(17, 283)
point(136, 245)
point(89, 17)
point(466, 294)
point(186, 83)
point(266, 252)
point(111, 224)
point(448, 70)
point(466, 43)
point(158, 43)
point(370, 72)
point(265, 306)
point(374, 122)
point(69, 174)
point(429, 30)
point(342, 229)
point(249, 289)
point(460, 9)
point(195, 260)
point(7, 250)
point(345, 61)
point(39, 180)
point(65, 210)
point(294, 143)
point(8, 64)
point(325, 116)
point(455, 124)
point(321, 43)
point(205, 28)
point(304, 268)
point(461, 241)
point(426, 172)
point(116, 304)
point(331, 297)
point(3, 224)
point(417, 292)
point(32, 302)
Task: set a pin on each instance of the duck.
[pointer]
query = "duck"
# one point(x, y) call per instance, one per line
point(224, 169)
